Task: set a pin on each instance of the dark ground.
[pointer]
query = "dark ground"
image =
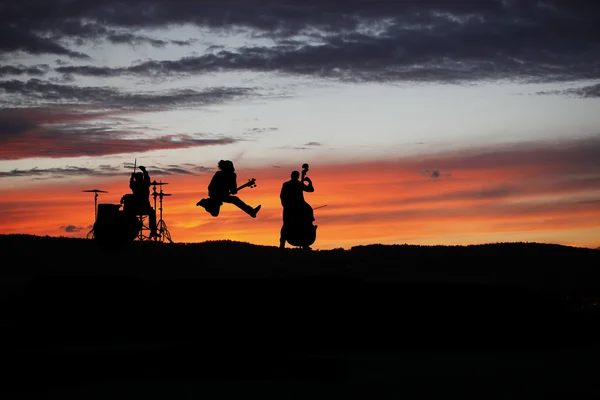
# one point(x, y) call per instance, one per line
point(157, 320)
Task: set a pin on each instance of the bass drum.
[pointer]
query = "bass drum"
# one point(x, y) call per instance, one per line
point(114, 227)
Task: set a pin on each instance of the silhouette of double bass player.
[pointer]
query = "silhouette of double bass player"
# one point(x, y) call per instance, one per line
point(298, 216)
point(222, 189)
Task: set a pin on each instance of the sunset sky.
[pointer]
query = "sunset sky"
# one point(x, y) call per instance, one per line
point(423, 122)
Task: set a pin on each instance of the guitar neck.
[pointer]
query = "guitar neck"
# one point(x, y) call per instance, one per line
point(245, 185)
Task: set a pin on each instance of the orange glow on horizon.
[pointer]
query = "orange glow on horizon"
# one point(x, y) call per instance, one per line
point(366, 203)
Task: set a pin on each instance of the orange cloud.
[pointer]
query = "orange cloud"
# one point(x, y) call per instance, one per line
point(549, 195)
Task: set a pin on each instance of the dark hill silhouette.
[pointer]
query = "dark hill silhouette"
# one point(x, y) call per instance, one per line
point(519, 317)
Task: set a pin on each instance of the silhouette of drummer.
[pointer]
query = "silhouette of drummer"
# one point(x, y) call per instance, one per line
point(295, 209)
point(140, 183)
point(222, 189)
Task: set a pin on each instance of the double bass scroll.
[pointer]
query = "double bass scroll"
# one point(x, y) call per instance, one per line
point(304, 171)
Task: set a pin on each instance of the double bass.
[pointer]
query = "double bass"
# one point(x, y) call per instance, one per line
point(302, 232)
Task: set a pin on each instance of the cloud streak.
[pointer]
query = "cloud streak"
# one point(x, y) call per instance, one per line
point(586, 92)
point(35, 70)
point(102, 171)
point(35, 92)
point(42, 133)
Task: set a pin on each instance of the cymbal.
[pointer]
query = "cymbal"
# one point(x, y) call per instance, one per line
point(158, 183)
point(95, 190)
point(160, 194)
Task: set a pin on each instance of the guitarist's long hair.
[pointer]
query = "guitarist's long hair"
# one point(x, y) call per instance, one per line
point(226, 165)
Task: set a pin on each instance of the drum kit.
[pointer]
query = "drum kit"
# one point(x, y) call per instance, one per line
point(113, 225)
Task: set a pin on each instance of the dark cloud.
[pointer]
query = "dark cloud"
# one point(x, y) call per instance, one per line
point(72, 228)
point(48, 134)
point(138, 40)
point(306, 146)
point(65, 144)
point(365, 59)
point(135, 40)
point(36, 91)
point(184, 169)
point(90, 70)
point(188, 42)
point(176, 171)
point(591, 91)
point(255, 131)
point(15, 39)
point(35, 70)
point(103, 171)
point(353, 40)
point(215, 47)
point(171, 169)
point(54, 119)
point(435, 173)
point(202, 169)
point(60, 172)
point(13, 127)
point(64, 79)
point(294, 148)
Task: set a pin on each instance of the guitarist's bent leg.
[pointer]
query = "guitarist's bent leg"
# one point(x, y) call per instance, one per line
point(211, 205)
point(241, 205)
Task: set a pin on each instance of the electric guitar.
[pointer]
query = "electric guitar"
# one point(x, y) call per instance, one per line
point(251, 183)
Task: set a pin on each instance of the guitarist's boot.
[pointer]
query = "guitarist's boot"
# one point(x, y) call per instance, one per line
point(254, 211)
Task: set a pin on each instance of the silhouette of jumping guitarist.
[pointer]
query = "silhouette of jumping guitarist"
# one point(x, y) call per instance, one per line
point(222, 189)
point(297, 213)
point(139, 183)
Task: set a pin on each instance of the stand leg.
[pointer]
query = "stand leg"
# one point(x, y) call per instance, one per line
point(141, 236)
point(90, 234)
point(163, 232)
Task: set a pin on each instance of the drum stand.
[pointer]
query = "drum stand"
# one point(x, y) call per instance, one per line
point(90, 234)
point(161, 226)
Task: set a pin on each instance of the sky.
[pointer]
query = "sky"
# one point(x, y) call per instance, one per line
point(423, 122)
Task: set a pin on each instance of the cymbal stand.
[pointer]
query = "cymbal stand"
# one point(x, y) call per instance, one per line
point(90, 234)
point(161, 226)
